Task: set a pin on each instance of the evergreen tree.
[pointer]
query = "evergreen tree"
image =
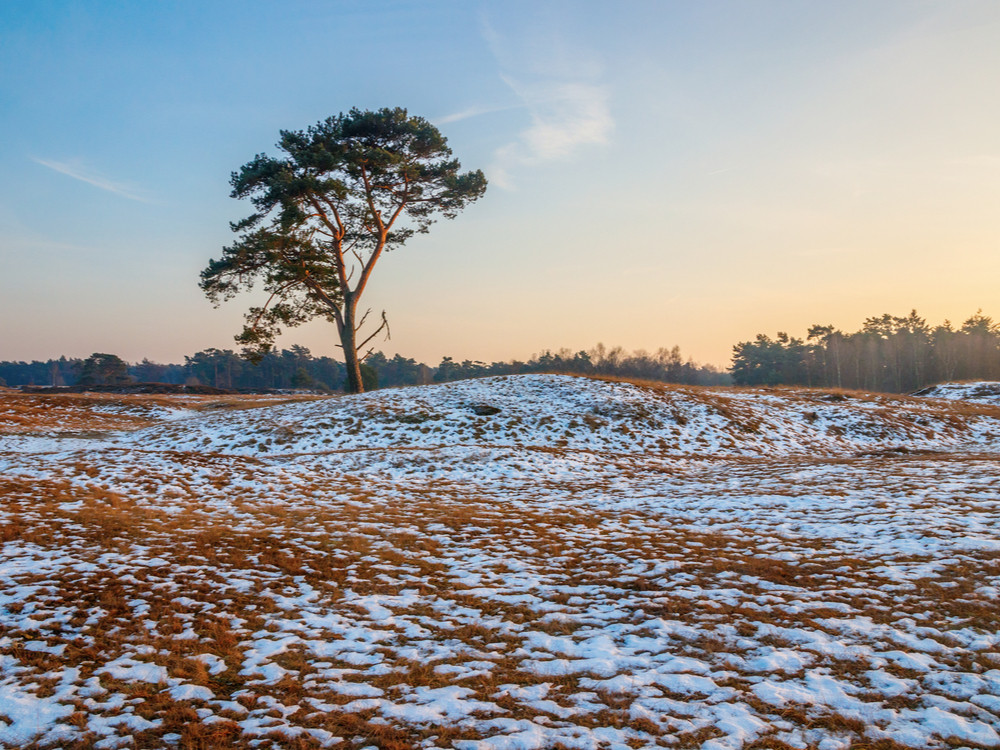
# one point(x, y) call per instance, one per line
point(346, 190)
point(103, 369)
point(302, 379)
point(890, 353)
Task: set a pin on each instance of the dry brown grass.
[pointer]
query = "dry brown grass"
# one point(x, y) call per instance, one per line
point(338, 533)
point(95, 414)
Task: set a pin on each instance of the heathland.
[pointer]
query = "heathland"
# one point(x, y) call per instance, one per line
point(529, 561)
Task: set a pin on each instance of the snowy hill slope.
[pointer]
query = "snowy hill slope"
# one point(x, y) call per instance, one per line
point(978, 392)
point(581, 414)
point(514, 563)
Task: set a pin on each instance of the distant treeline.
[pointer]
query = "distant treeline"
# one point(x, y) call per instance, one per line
point(664, 365)
point(286, 369)
point(893, 354)
point(888, 353)
point(296, 367)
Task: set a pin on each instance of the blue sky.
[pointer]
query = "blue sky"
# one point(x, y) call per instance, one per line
point(661, 172)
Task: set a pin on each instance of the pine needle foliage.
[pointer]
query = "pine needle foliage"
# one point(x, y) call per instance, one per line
point(345, 191)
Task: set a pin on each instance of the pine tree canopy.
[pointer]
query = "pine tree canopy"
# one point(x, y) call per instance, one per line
point(344, 191)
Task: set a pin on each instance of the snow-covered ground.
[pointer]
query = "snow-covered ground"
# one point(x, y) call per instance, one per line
point(979, 392)
point(577, 414)
point(522, 562)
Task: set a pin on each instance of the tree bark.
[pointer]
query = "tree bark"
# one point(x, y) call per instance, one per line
point(348, 341)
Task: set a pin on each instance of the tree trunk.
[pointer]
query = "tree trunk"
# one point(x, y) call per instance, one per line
point(348, 341)
point(840, 381)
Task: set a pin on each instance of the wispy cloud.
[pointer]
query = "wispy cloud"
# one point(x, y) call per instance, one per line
point(560, 88)
point(564, 118)
point(41, 243)
point(465, 114)
point(89, 176)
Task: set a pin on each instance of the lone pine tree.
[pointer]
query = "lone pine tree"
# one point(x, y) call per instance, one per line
point(346, 190)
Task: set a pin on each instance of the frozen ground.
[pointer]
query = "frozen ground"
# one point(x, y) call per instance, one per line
point(975, 391)
point(525, 562)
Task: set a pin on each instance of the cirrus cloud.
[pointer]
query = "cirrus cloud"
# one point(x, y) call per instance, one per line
point(560, 88)
point(83, 174)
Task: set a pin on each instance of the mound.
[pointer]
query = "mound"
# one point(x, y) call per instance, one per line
point(495, 591)
point(981, 392)
point(581, 414)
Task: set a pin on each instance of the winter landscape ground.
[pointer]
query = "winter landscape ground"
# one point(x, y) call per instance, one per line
point(521, 562)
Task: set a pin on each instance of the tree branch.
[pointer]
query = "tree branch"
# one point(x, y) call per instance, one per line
point(336, 213)
point(270, 299)
point(326, 300)
point(362, 321)
point(371, 201)
point(338, 238)
point(385, 325)
point(402, 204)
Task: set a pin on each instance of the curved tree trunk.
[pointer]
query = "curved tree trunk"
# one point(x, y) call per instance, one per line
point(348, 340)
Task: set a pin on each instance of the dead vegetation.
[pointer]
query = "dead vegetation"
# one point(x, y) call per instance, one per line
point(194, 599)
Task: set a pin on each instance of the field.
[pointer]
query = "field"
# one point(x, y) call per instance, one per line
point(521, 562)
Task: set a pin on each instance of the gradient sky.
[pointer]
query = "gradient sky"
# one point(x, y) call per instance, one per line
point(660, 172)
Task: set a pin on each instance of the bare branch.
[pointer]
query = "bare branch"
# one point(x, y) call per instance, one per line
point(363, 319)
point(385, 325)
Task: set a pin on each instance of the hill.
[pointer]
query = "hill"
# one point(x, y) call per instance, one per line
point(978, 392)
point(520, 562)
point(585, 414)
